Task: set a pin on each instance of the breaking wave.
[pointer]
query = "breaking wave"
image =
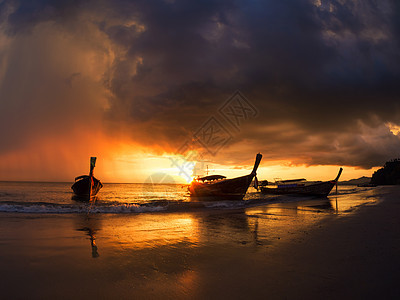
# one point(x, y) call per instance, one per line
point(125, 208)
point(53, 208)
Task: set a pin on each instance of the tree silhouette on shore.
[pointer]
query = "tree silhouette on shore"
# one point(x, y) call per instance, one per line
point(389, 174)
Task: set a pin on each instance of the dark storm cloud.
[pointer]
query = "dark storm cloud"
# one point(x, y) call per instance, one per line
point(328, 70)
point(27, 14)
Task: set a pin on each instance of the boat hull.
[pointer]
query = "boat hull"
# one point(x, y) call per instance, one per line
point(225, 189)
point(228, 189)
point(85, 188)
point(321, 189)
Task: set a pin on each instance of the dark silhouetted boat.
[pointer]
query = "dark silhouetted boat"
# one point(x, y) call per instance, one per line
point(87, 186)
point(302, 187)
point(217, 187)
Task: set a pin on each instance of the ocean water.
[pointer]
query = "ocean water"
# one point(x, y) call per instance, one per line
point(57, 198)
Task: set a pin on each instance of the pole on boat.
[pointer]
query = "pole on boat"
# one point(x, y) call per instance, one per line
point(256, 164)
point(336, 187)
point(337, 208)
point(92, 165)
point(337, 178)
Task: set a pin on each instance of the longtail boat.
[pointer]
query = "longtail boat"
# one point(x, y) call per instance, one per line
point(302, 187)
point(217, 187)
point(87, 186)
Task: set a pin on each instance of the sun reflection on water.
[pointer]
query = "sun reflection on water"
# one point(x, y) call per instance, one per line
point(150, 230)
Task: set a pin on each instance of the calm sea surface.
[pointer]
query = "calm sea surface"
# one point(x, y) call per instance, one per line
point(57, 198)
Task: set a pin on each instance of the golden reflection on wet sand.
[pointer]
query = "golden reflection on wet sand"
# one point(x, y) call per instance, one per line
point(259, 226)
point(265, 225)
point(151, 230)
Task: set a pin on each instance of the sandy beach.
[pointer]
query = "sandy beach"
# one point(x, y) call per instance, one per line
point(344, 247)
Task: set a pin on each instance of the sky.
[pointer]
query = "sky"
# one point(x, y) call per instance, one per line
point(159, 90)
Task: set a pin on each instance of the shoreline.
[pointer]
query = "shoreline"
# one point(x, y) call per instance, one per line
point(350, 257)
point(293, 250)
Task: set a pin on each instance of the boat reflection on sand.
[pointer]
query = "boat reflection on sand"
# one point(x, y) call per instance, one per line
point(91, 226)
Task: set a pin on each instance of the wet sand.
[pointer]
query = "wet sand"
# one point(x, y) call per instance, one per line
point(328, 249)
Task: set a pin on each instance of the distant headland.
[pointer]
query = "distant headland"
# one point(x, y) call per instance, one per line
point(358, 181)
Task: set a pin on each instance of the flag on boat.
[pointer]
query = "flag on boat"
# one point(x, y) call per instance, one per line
point(255, 182)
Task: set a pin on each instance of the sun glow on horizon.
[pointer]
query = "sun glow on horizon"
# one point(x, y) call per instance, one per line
point(124, 162)
point(165, 168)
point(183, 169)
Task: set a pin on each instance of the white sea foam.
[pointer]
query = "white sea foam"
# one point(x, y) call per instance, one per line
point(77, 209)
